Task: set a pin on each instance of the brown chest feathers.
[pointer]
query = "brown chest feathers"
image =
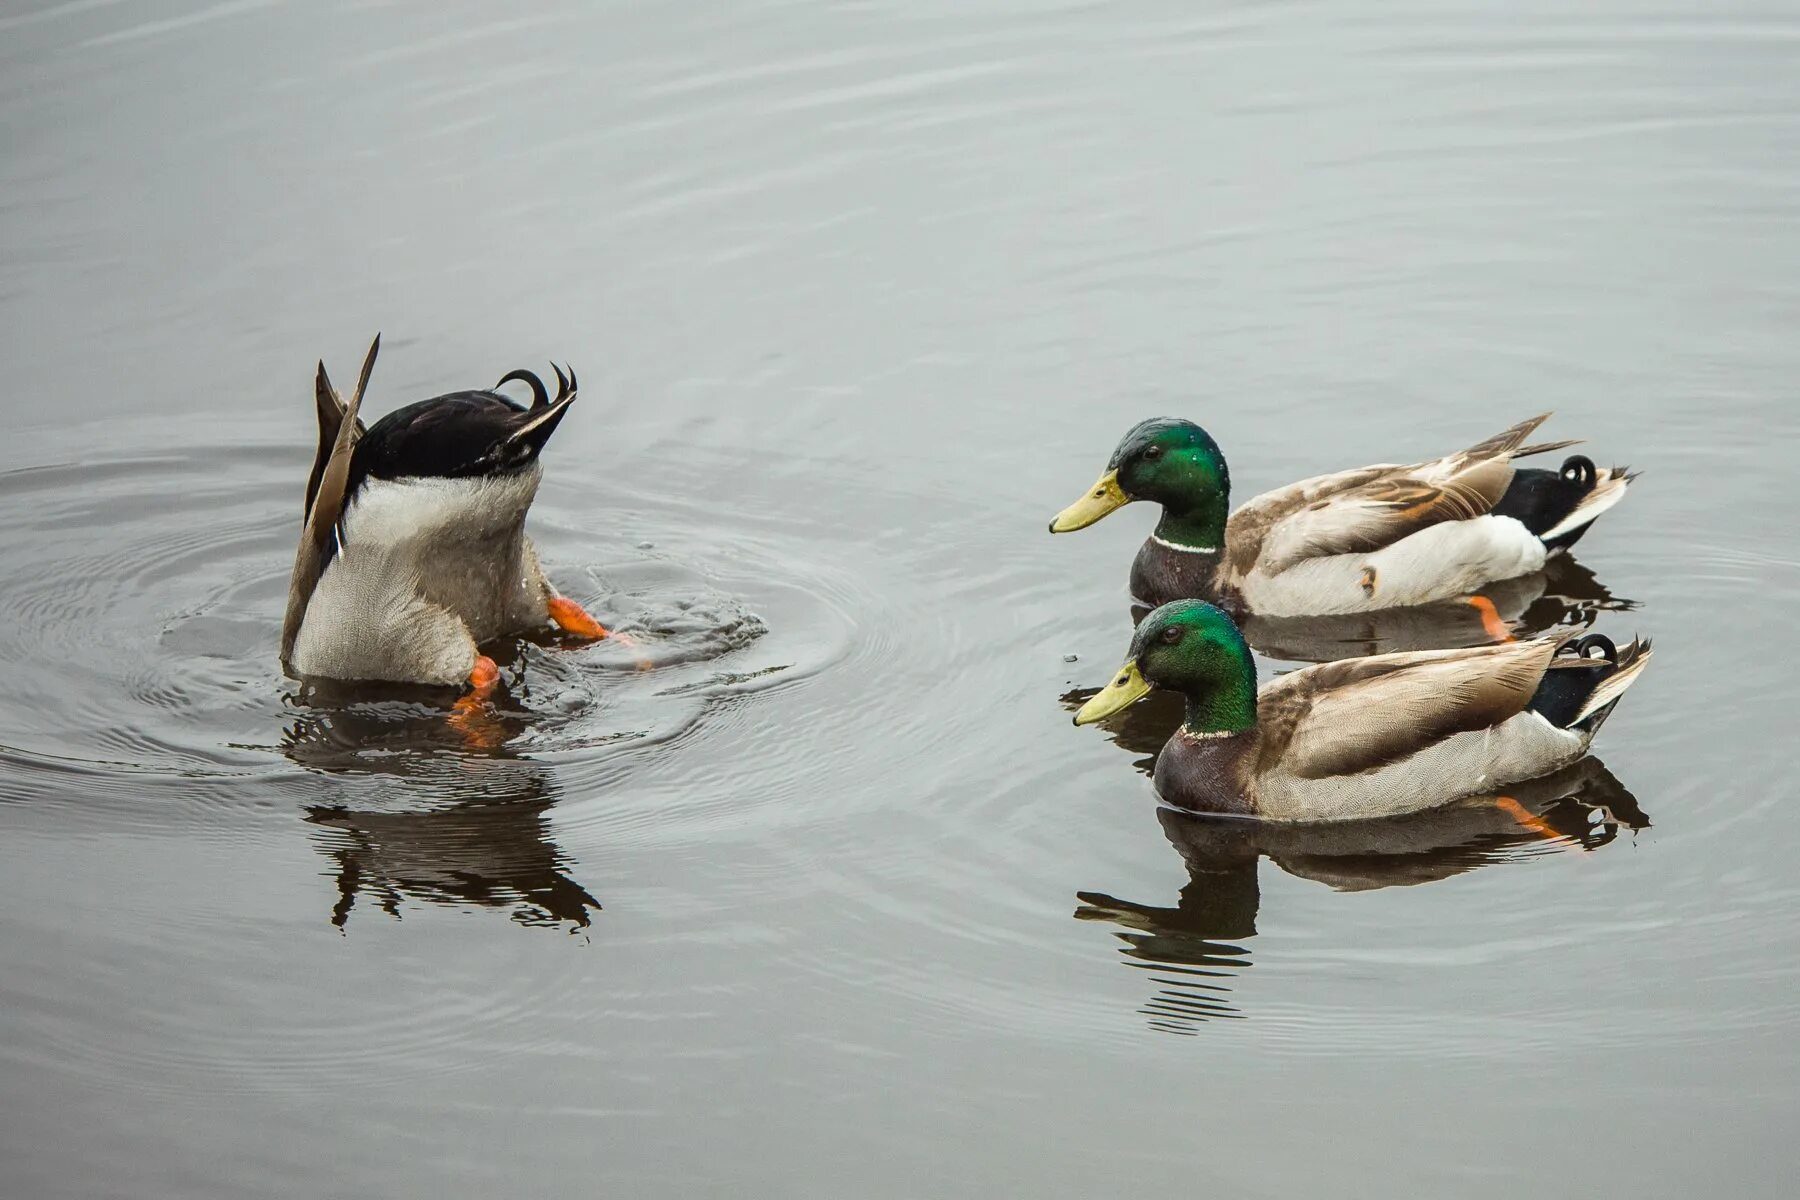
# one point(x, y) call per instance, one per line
point(1162, 573)
point(1209, 773)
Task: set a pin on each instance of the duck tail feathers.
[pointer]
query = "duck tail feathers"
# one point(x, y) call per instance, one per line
point(1632, 661)
point(542, 420)
point(540, 396)
point(1608, 489)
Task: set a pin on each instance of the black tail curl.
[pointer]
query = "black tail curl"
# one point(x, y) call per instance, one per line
point(1595, 646)
point(1581, 665)
point(1541, 499)
point(1579, 470)
point(540, 395)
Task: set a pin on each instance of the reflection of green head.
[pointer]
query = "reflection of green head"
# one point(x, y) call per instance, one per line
point(1193, 648)
point(1178, 465)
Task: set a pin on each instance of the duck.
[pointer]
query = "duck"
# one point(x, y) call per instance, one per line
point(413, 552)
point(1377, 537)
point(1381, 736)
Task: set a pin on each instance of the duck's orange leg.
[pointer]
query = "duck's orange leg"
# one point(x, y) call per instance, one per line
point(1491, 624)
point(484, 680)
point(570, 617)
point(470, 715)
point(1525, 818)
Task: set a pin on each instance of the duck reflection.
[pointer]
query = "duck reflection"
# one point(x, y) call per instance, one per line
point(1195, 948)
point(1564, 593)
point(458, 826)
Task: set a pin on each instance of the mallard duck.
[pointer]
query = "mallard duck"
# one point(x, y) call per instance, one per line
point(1363, 737)
point(413, 550)
point(1379, 537)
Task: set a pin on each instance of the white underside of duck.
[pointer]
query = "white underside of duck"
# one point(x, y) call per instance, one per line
point(426, 570)
point(1451, 559)
point(1522, 747)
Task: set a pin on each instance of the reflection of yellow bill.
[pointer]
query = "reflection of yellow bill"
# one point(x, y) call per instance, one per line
point(1102, 498)
point(1126, 689)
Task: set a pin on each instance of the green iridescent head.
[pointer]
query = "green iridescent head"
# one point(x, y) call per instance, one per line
point(1193, 648)
point(1172, 462)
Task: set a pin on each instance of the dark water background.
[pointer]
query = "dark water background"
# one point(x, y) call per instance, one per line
point(832, 900)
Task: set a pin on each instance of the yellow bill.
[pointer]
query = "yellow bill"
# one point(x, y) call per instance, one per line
point(1127, 688)
point(1102, 498)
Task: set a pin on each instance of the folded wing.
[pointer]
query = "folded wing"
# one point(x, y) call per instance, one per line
point(1362, 511)
point(1346, 717)
point(325, 491)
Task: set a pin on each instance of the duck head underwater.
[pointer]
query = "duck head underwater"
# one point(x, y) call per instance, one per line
point(1355, 541)
point(413, 550)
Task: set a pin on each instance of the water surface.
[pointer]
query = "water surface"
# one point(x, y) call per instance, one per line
point(814, 891)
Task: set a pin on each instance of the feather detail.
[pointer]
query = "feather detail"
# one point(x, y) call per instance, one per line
point(1502, 444)
point(331, 415)
point(1367, 510)
point(1546, 447)
point(1632, 661)
point(326, 492)
point(1348, 717)
point(1608, 490)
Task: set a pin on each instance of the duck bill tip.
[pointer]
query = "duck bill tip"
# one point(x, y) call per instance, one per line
point(1127, 688)
point(1106, 496)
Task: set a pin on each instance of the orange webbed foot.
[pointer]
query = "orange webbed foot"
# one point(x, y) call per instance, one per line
point(469, 713)
point(484, 678)
point(570, 617)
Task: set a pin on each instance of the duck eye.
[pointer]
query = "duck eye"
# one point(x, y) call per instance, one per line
point(1171, 635)
point(1153, 452)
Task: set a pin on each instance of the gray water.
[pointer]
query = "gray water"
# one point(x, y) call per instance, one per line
point(814, 891)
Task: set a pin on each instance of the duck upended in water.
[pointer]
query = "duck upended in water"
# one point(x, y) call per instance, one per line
point(1363, 737)
point(413, 550)
point(1378, 537)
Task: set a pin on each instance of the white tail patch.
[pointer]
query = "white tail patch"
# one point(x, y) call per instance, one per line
point(1609, 488)
point(1615, 684)
point(545, 415)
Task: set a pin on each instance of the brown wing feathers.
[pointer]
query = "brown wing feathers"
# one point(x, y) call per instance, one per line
point(1504, 443)
point(1381, 506)
point(324, 491)
point(1347, 717)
